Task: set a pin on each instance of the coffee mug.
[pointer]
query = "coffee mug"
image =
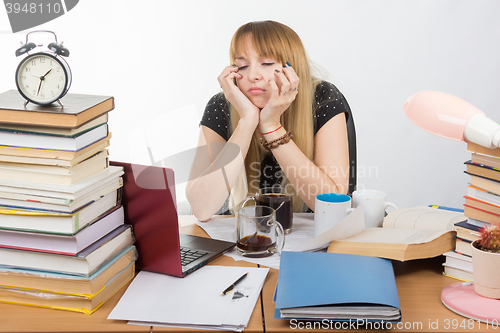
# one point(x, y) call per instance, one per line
point(278, 199)
point(329, 210)
point(258, 234)
point(374, 206)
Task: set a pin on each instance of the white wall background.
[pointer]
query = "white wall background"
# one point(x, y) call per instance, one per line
point(160, 60)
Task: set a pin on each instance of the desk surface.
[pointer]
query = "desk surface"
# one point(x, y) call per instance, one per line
point(419, 283)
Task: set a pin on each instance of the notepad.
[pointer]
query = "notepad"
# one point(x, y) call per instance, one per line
point(334, 286)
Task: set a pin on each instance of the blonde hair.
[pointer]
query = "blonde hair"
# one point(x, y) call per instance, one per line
point(274, 39)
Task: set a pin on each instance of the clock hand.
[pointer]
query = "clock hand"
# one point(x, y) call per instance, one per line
point(39, 86)
point(41, 80)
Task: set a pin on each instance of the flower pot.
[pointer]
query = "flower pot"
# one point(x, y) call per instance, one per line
point(486, 270)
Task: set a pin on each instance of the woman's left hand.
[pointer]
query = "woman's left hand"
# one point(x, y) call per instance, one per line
point(284, 89)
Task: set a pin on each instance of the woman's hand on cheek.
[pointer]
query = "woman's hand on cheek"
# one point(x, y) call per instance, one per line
point(246, 109)
point(282, 95)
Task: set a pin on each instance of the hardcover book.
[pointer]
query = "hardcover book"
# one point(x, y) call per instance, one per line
point(483, 205)
point(70, 302)
point(71, 156)
point(62, 244)
point(78, 109)
point(58, 131)
point(483, 170)
point(53, 142)
point(64, 283)
point(54, 222)
point(478, 149)
point(481, 214)
point(480, 194)
point(486, 160)
point(467, 231)
point(84, 263)
point(485, 184)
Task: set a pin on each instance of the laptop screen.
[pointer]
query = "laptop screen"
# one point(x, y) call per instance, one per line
point(149, 201)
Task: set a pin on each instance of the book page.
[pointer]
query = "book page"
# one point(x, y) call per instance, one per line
point(423, 217)
point(395, 236)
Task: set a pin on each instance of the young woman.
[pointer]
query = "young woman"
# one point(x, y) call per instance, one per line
point(274, 123)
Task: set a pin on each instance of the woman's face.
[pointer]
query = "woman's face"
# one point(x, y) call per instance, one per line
point(257, 71)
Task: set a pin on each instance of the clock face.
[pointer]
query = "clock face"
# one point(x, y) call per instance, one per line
point(41, 78)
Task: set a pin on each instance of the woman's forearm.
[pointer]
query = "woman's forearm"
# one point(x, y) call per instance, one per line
point(307, 178)
point(207, 190)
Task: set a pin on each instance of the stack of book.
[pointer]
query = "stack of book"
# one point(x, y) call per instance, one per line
point(63, 241)
point(482, 202)
point(481, 207)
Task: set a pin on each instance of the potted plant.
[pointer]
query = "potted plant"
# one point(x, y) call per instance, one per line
point(486, 262)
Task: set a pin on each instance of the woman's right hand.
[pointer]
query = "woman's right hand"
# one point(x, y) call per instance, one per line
point(247, 111)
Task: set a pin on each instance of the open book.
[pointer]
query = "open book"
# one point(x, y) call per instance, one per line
point(406, 234)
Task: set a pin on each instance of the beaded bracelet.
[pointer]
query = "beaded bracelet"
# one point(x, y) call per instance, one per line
point(276, 143)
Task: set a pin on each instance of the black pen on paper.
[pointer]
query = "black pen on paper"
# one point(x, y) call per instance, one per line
point(231, 287)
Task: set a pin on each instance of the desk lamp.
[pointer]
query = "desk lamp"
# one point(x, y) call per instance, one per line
point(450, 117)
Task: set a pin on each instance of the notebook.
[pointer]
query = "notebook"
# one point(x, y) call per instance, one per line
point(148, 199)
point(343, 287)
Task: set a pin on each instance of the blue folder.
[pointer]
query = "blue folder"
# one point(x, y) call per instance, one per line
point(309, 279)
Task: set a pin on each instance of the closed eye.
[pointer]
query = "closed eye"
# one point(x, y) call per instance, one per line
point(242, 67)
point(268, 63)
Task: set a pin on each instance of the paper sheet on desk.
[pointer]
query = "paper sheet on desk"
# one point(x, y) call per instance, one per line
point(351, 225)
point(194, 301)
point(300, 239)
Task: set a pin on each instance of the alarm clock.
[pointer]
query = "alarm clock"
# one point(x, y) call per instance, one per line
point(43, 77)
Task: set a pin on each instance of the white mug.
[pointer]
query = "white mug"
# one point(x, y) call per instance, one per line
point(374, 206)
point(329, 210)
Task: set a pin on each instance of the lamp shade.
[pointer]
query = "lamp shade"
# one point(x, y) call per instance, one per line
point(453, 118)
point(440, 113)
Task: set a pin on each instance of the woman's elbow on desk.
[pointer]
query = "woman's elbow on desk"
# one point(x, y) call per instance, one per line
point(201, 213)
point(199, 210)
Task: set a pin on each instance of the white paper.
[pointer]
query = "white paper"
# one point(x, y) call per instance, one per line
point(351, 225)
point(301, 238)
point(201, 327)
point(194, 300)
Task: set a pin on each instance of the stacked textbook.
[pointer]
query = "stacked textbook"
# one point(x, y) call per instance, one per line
point(481, 207)
point(482, 202)
point(63, 241)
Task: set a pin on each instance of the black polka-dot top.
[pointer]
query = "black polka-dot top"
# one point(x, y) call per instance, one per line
point(329, 102)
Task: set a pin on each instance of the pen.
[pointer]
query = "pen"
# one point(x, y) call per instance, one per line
point(231, 287)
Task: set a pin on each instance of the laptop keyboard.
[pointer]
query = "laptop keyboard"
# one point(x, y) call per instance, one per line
point(189, 255)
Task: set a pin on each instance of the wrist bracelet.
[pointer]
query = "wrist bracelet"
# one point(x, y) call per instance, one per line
point(276, 143)
point(273, 131)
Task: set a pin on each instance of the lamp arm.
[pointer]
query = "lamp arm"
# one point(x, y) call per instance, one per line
point(482, 130)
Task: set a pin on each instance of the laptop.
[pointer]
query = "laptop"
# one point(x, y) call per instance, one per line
point(148, 198)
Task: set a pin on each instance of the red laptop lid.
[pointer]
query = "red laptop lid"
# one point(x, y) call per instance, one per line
point(149, 202)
